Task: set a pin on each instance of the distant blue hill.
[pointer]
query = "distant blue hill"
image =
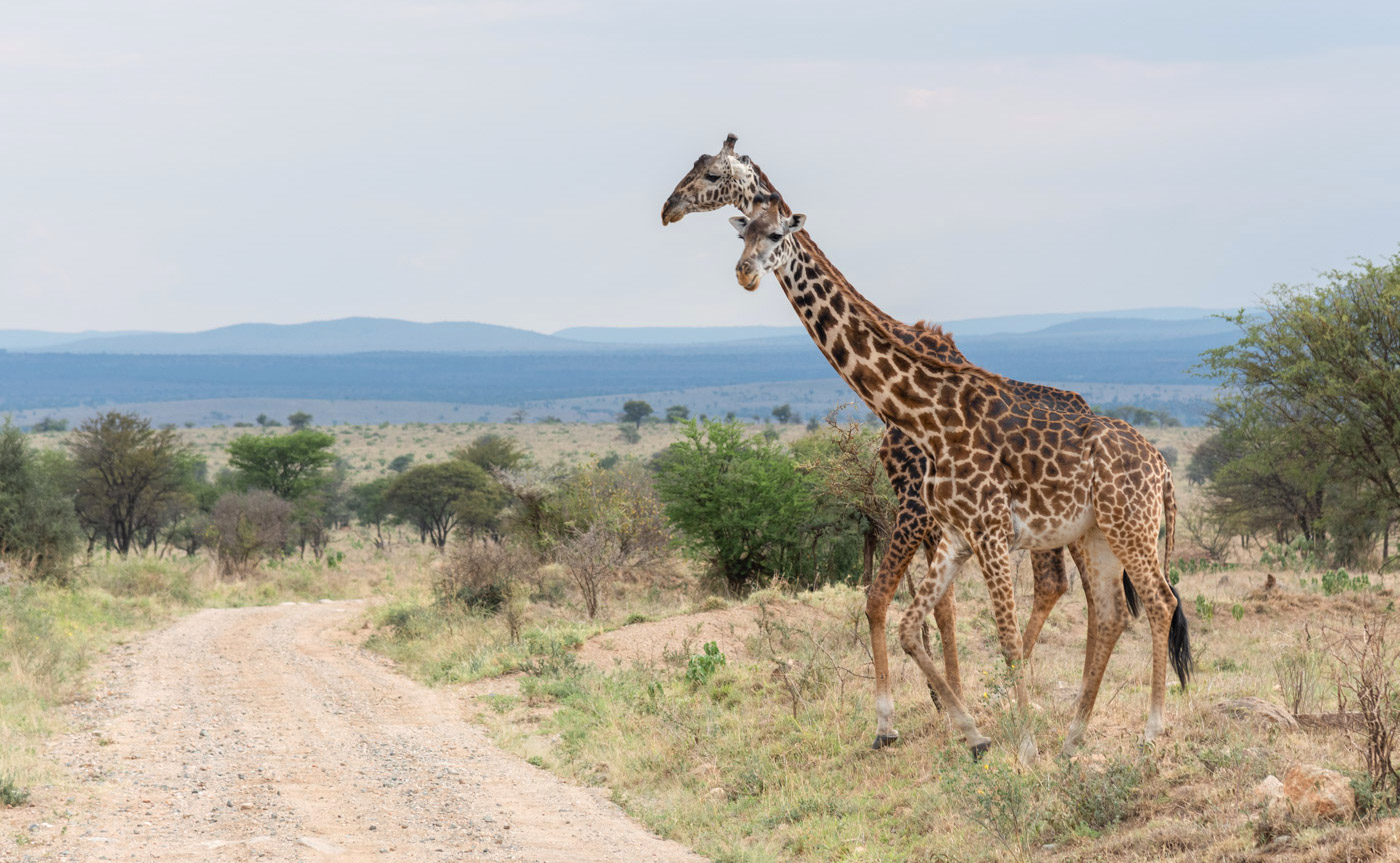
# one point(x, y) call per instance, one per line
point(964, 327)
point(371, 335)
point(343, 336)
point(673, 335)
point(1129, 351)
point(25, 340)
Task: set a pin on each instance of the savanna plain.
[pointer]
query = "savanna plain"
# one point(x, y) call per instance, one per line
point(582, 629)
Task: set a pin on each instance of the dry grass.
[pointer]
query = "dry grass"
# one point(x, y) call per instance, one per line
point(769, 760)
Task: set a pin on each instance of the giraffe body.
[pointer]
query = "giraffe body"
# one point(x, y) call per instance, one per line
point(1005, 473)
point(728, 178)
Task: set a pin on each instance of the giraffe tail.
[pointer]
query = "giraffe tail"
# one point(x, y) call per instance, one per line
point(1131, 595)
point(1178, 636)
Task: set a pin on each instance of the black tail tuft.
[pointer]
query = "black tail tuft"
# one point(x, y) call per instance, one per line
point(1179, 644)
point(1131, 595)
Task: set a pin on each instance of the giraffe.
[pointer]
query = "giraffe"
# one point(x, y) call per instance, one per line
point(728, 178)
point(1006, 474)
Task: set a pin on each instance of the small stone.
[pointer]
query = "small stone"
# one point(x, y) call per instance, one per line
point(1269, 794)
point(319, 845)
point(1319, 793)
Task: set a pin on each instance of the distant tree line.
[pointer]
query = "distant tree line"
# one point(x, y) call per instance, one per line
point(1307, 436)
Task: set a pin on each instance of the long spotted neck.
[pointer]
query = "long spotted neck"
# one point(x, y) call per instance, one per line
point(757, 183)
point(860, 347)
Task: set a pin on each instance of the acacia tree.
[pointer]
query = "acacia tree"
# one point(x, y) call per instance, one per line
point(493, 452)
point(634, 411)
point(37, 525)
point(1320, 370)
point(436, 497)
point(128, 477)
point(368, 503)
point(288, 465)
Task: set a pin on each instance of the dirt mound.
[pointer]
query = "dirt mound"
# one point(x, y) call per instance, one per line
point(677, 638)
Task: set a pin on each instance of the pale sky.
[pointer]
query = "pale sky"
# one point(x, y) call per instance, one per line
point(181, 164)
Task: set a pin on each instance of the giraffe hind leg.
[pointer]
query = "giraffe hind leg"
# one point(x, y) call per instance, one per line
point(1051, 583)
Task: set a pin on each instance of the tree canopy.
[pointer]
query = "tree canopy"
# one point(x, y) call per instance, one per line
point(1311, 415)
point(37, 524)
point(634, 411)
point(288, 465)
point(739, 501)
point(437, 497)
point(129, 477)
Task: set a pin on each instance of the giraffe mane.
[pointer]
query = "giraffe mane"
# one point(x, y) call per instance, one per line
point(764, 182)
point(927, 343)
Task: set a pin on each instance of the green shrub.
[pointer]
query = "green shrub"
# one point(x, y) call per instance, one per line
point(704, 665)
point(11, 794)
point(1097, 799)
point(1335, 581)
point(38, 527)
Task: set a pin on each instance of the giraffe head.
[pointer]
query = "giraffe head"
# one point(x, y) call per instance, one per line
point(765, 236)
point(712, 182)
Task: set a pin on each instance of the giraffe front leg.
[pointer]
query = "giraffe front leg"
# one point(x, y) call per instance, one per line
point(909, 531)
point(994, 556)
point(942, 569)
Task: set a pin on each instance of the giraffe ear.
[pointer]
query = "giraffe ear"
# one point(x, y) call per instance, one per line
point(740, 223)
point(796, 222)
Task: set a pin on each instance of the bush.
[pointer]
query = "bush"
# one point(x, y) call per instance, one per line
point(1335, 581)
point(11, 794)
point(480, 575)
point(1298, 671)
point(1364, 661)
point(739, 501)
point(593, 559)
point(1099, 798)
point(703, 666)
point(246, 527)
point(38, 528)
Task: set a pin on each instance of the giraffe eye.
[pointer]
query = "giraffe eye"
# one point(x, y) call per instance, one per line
point(775, 237)
point(713, 178)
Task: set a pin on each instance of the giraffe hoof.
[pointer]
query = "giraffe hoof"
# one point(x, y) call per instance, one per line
point(883, 740)
point(980, 749)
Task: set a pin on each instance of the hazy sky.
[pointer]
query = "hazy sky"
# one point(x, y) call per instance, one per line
point(181, 164)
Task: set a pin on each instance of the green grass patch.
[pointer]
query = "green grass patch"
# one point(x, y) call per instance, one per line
point(445, 643)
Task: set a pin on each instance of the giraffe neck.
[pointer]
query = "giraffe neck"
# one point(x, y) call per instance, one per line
point(855, 337)
point(916, 337)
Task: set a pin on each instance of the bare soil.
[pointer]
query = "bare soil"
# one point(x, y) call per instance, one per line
point(677, 638)
point(265, 734)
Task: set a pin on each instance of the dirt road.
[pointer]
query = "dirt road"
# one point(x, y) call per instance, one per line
point(260, 734)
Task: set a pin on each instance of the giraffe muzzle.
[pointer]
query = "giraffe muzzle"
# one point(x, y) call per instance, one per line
point(748, 276)
point(672, 210)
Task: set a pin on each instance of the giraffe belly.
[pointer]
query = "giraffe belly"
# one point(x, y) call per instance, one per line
point(1038, 532)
